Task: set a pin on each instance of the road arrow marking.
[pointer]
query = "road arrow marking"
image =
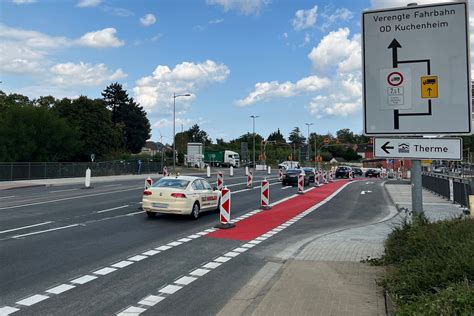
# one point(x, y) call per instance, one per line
point(364, 192)
point(385, 147)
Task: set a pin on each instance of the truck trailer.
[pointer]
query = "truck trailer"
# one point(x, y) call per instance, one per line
point(223, 158)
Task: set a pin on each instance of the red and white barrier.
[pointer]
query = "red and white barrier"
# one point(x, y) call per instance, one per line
point(351, 175)
point(165, 171)
point(250, 179)
point(325, 177)
point(300, 184)
point(220, 180)
point(280, 175)
point(331, 176)
point(316, 178)
point(265, 195)
point(224, 208)
point(148, 183)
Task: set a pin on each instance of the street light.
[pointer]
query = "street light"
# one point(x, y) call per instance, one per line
point(307, 153)
point(253, 118)
point(174, 125)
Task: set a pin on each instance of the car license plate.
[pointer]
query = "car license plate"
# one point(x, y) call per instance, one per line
point(159, 205)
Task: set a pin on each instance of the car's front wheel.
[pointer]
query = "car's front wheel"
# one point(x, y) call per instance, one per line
point(195, 211)
point(150, 214)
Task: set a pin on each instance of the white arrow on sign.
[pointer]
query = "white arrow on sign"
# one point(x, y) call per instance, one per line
point(364, 192)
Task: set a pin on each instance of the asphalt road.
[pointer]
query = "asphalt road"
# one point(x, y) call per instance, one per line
point(94, 252)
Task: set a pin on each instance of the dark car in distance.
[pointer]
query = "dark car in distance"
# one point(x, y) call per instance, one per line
point(357, 172)
point(311, 172)
point(372, 173)
point(343, 172)
point(291, 177)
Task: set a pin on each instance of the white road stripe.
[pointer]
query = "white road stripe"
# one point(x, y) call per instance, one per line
point(134, 213)
point(7, 310)
point(151, 252)
point(6, 197)
point(163, 248)
point(211, 265)
point(222, 259)
point(285, 187)
point(137, 258)
point(25, 227)
point(132, 310)
point(104, 271)
point(32, 300)
point(60, 289)
point(113, 209)
point(65, 190)
point(122, 264)
point(151, 300)
point(183, 240)
point(68, 198)
point(185, 280)
point(112, 185)
point(170, 289)
point(84, 279)
point(174, 244)
point(232, 254)
point(199, 272)
point(46, 231)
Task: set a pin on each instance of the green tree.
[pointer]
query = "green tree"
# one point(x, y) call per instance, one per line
point(277, 137)
point(94, 123)
point(30, 133)
point(126, 111)
point(197, 135)
point(345, 136)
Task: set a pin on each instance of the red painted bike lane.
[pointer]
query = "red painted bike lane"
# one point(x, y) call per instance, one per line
point(265, 221)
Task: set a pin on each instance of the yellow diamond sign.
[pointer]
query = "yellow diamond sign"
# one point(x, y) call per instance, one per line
point(429, 87)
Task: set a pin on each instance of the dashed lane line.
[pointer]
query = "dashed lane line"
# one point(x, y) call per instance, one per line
point(65, 190)
point(25, 227)
point(112, 209)
point(45, 231)
point(7, 197)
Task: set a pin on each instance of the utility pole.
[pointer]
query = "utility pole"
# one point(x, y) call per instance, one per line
point(253, 118)
point(309, 148)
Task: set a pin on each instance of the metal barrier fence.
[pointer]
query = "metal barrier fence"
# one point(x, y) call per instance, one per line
point(439, 184)
point(50, 170)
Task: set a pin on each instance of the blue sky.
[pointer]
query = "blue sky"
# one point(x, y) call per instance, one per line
point(290, 62)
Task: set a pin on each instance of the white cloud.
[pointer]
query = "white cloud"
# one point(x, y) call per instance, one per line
point(216, 21)
point(333, 105)
point(84, 74)
point(265, 91)
point(340, 15)
point(166, 122)
point(246, 7)
point(23, 1)
point(101, 39)
point(305, 19)
point(148, 19)
point(401, 3)
point(337, 49)
point(88, 3)
point(155, 92)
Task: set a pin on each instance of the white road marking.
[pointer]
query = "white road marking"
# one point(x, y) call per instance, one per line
point(285, 187)
point(211, 265)
point(25, 227)
point(232, 254)
point(84, 279)
point(235, 192)
point(137, 258)
point(134, 213)
point(7, 310)
point(199, 272)
point(6, 197)
point(170, 289)
point(240, 249)
point(222, 259)
point(183, 240)
point(113, 209)
point(163, 248)
point(185, 280)
point(68, 198)
point(104, 271)
point(194, 236)
point(112, 185)
point(151, 252)
point(174, 244)
point(132, 310)
point(151, 300)
point(65, 190)
point(32, 300)
point(364, 192)
point(60, 289)
point(122, 264)
point(46, 231)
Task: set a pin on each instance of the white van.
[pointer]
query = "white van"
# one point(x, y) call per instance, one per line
point(289, 165)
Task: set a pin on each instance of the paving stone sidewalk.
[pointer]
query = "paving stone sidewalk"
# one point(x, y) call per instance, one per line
point(326, 276)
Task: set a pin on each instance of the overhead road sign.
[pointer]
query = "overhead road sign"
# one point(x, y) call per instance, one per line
point(416, 66)
point(418, 148)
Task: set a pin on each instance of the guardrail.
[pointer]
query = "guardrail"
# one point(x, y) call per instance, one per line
point(50, 170)
point(454, 189)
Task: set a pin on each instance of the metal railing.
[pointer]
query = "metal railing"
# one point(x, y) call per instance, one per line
point(50, 170)
point(439, 184)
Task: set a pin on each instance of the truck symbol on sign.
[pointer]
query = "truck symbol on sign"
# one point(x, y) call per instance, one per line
point(429, 81)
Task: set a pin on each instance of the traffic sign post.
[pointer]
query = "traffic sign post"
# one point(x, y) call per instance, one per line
point(418, 148)
point(416, 66)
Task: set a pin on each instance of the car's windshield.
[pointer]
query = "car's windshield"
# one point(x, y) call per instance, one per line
point(171, 183)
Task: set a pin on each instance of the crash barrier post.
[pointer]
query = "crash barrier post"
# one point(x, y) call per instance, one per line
point(265, 195)
point(250, 179)
point(220, 181)
point(300, 184)
point(165, 171)
point(231, 171)
point(325, 177)
point(87, 183)
point(280, 175)
point(246, 171)
point(331, 176)
point(351, 176)
point(224, 208)
point(316, 179)
point(148, 183)
point(269, 170)
point(208, 171)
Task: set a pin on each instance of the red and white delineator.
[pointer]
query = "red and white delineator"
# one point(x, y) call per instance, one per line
point(250, 179)
point(165, 171)
point(280, 175)
point(148, 183)
point(300, 184)
point(265, 195)
point(220, 181)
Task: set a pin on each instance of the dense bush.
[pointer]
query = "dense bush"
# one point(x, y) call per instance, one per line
point(431, 264)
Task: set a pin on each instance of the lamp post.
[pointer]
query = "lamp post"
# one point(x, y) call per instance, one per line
point(307, 153)
point(253, 118)
point(174, 125)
